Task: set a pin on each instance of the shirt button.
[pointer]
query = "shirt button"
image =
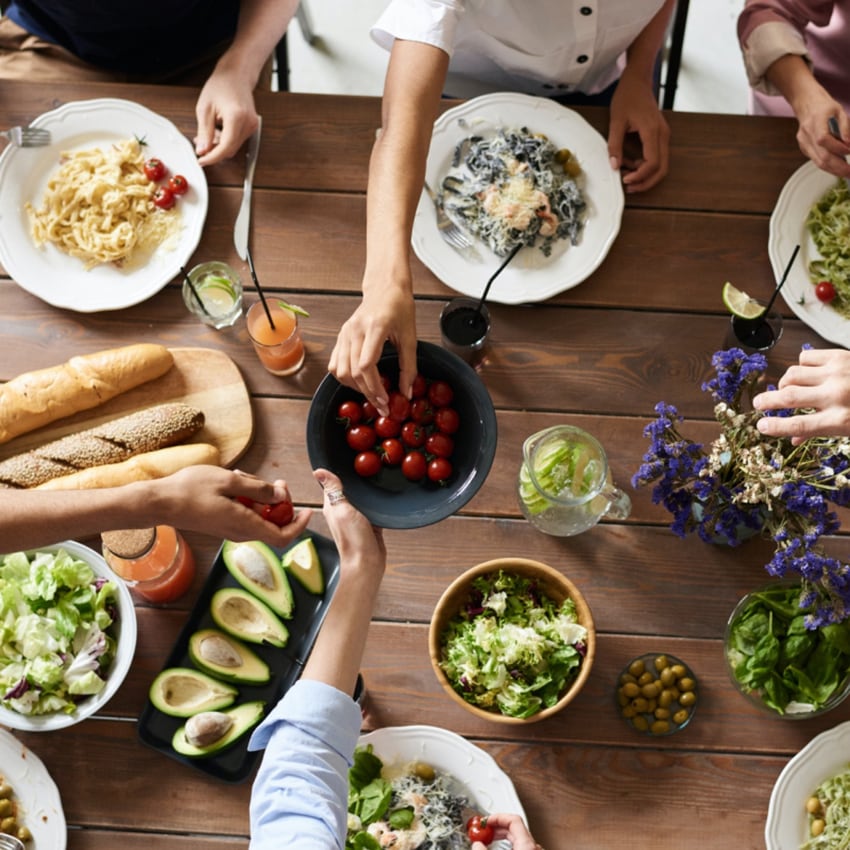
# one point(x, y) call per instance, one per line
point(581, 59)
point(586, 10)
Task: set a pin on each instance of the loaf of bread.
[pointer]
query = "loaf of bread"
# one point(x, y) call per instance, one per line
point(144, 467)
point(37, 398)
point(111, 442)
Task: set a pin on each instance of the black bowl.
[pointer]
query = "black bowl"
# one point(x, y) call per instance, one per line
point(388, 499)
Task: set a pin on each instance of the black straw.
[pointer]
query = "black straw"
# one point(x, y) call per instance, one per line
point(259, 288)
point(194, 291)
point(784, 278)
point(514, 252)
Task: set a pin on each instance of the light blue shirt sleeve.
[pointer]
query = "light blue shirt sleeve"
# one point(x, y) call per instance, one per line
point(300, 794)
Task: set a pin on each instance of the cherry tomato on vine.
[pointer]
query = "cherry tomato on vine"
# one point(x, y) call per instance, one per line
point(349, 413)
point(825, 291)
point(440, 394)
point(280, 513)
point(367, 464)
point(154, 169)
point(447, 420)
point(478, 829)
point(414, 466)
point(439, 444)
point(178, 184)
point(392, 451)
point(361, 437)
point(439, 469)
point(386, 426)
point(164, 198)
point(413, 434)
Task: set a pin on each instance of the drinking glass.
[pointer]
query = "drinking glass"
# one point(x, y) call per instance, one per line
point(280, 348)
point(219, 289)
point(464, 328)
point(759, 334)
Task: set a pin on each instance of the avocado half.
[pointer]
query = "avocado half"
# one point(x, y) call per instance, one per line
point(225, 657)
point(244, 616)
point(184, 691)
point(258, 569)
point(244, 717)
point(302, 561)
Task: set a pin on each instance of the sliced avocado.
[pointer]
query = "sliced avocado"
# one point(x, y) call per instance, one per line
point(184, 691)
point(244, 616)
point(244, 717)
point(225, 657)
point(258, 569)
point(302, 560)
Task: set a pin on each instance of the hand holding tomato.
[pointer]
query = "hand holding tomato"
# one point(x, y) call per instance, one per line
point(280, 513)
point(478, 829)
point(502, 827)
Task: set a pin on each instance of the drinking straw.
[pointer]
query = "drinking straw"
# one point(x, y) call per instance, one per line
point(514, 252)
point(784, 278)
point(259, 288)
point(194, 291)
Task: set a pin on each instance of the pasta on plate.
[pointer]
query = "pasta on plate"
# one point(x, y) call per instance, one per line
point(98, 207)
point(828, 223)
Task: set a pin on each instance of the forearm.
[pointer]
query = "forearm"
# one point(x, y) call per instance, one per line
point(642, 54)
point(792, 77)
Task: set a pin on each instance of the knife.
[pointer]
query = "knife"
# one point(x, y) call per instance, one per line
point(243, 219)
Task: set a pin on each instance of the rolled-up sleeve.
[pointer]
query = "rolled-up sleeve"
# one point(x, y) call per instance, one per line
point(431, 22)
point(300, 794)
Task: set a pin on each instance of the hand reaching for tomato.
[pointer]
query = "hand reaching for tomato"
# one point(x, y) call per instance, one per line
point(484, 829)
point(280, 513)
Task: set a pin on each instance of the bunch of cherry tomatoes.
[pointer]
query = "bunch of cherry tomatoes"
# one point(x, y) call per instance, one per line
point(166, 193)
point(417, 436)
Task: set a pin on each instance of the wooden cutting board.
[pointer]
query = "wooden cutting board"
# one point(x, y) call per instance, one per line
point(204, 378)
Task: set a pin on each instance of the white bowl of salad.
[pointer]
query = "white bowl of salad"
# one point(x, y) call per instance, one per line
point(67, 636)
point(512, 640)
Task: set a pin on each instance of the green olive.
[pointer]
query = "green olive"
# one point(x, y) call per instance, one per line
point(5, 790)
point(813, 805)
point(424, 771)
point(817, 827)
point(660, 727)
point(661, 662)
point(626, 678)
point(640, 723)
point(668, 677)
point(679, 670)
point(687, 699)
point(651, 690)
point(681, 716)
point(8, 825)
point(665, 698)
point(24, 834)
point(622, 699)
point(630, 689)
point(645, 678)
point(628, 712)
point(637, 668)
point(662, 713)
point(686, 683)
point(6, 807)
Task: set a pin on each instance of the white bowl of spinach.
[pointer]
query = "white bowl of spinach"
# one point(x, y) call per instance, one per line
point(784, 667)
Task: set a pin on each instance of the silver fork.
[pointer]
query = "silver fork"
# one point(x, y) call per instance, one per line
point(448, 229)
point(27, 137)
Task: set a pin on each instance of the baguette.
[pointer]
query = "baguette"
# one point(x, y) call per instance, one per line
point(37, 398)
point(111, 442)
point(144, 467)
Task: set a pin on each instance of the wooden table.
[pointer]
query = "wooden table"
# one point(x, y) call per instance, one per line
point(640, 330)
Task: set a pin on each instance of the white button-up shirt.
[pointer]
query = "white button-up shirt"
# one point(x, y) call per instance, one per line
point(540, 47)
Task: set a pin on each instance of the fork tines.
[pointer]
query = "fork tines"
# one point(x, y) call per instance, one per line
point(27, 136)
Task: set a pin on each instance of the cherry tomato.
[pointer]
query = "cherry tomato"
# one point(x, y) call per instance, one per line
point(367, 464)
point(419, 387)
point(154, 170)
point(280, 513)
point(369, 411)
point(447, 420)
point(361, 437)
point(440, 394)
point(349, 413)
point(386, 426)
point(386, 383)
point(414, 466)
point(421, 411)
point(478, 829)
point(244, 500)
point(392, 451)
point(439, 470)
point(399, 407)
point(825, 291)
point(439, 444)
point(164, 198)
point(413, 434)
point(178, 184)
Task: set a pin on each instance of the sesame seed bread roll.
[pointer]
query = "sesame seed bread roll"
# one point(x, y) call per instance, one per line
point(110, 442)
point(144, 467)
point(37, 398)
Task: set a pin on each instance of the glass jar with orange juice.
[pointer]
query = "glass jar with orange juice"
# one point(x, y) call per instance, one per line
point(156, 563)
point(276, 337)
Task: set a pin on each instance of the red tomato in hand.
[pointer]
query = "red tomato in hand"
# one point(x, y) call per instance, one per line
point(392, 452)
point(367, 464)
point(825, 291)
point(447, 420)
point(439, 470)
point(478, 829)
point(349, 413)
point(413, 435)
point(399, 407)
point(361, 437)
point(386, 426)
point(280, 513)
point(414, 466)
point(154, 170)
point(244, 500)
point(439, 444)
point(440, 394)
point(178, 184)
point(163, 198)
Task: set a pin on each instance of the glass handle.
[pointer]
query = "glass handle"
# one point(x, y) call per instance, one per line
point(619, 504)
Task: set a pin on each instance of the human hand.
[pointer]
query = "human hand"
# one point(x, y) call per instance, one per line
point(382, 315)
point(205, 498)
point(814, 136)
point(821, 382)
point(634, 109)
point(511, 828)
point(226, 115)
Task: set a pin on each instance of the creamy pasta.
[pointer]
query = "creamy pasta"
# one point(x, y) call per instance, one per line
point(98, 207)
point(829, 224)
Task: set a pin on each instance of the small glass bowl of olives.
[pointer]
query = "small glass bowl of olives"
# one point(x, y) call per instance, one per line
point(656, 694)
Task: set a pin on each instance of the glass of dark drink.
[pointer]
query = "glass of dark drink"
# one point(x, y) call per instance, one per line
point(464, 328)
point(758, 334)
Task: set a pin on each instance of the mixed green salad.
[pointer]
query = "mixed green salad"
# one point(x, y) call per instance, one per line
point(512, 648)
point(417, 808)
point(771, 652)
point(56, 643)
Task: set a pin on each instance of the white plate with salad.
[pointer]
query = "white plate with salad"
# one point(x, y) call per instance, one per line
point(824, 757)
point(531, 276)
point(92, 622)
point(39, 807)
point(471, 771)
point(788, 228)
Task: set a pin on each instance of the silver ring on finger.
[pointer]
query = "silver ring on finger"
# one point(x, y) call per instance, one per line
point(335, 496)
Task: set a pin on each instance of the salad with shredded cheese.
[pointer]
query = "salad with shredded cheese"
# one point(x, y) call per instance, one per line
point(829, 225)
point(514, 187)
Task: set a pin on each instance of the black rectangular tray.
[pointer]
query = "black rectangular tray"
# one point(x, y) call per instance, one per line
point(235, 764)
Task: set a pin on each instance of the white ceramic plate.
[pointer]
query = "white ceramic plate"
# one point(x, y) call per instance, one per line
point(486, 785)
point(530, 276)
point(126, 639)
point(787, 229)
point(54, 276)
point(37, 794)
point(824, 756)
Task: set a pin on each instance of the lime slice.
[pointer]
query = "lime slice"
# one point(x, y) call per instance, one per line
point(293, 308)
point(740, 304)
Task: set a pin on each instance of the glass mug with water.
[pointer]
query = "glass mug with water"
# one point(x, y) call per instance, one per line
point(565, 484)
